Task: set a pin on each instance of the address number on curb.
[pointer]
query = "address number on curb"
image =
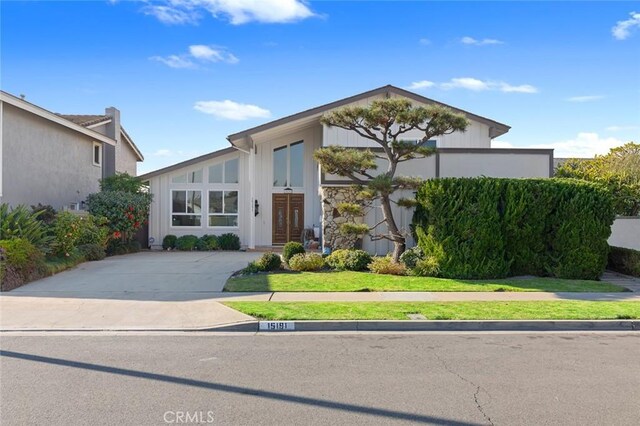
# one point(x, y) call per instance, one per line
point(277, 325)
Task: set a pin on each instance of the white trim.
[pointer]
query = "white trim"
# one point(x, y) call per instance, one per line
point(93, 154)
point(236, 214)
point(107, 121)
point(41, 112)
point(171, 212)
point(251, 175)
point(132, 145)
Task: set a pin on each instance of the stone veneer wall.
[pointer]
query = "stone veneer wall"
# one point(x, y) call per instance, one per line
point(331, 197)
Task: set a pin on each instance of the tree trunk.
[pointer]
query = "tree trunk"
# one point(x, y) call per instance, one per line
point(398, 239)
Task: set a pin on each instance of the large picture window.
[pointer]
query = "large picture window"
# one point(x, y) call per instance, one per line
point(288, 165)
point(223, 208)
point(186, 208)
point(194, 176)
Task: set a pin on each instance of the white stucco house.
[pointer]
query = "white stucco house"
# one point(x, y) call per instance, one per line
point(267, 188)
point(59, 159)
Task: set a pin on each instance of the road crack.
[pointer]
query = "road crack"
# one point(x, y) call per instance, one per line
point(476, 386)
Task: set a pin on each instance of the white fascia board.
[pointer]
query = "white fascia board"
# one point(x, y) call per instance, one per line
point(41, 112)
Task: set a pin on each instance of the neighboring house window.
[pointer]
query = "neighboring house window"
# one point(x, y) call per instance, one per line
point(288, 165)
point(194, 176)
point(429, 144)
point(226, 172)
point(223, 208)
point(97, 154)
point(186, 208)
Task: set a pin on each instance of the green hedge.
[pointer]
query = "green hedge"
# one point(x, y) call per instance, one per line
point(489, 228)
point(624, 260)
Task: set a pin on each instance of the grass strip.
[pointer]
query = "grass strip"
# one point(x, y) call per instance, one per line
point(529, 310)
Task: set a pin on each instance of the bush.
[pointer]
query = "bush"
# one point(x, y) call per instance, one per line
point(118, 247)
point(306, 262)
point(20, 222)
point(411, 257)
point(126, 212)
point(186, 242)
point(169, 242)
point(269, 262)
point(207, 242)
point(290, 249)
point(491, 228)
point(20, 262)
point(229, 241)
point(427, 267)
point(92, 251)
point(67, 230)
point(386, 265)
point(122, 182)
point(349, 260)
point(46, 213)
point(624, 260)
point(93, 230)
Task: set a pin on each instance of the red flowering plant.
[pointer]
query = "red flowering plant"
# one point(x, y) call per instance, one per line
point(126, 212)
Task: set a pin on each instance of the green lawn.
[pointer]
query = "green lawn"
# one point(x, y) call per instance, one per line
point(363, 281)
point(439, 311)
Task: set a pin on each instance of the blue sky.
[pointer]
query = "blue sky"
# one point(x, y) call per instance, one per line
point(186, 73)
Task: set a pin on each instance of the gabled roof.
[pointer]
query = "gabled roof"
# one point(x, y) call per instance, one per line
point(496, 128)
point(187, 163)
point(89, 121)
point(86, 120)
point(55, 118)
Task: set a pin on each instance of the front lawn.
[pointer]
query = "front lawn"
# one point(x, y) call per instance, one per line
point(363, 281)
point(439, 311)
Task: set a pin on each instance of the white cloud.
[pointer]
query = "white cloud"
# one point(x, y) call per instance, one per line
point(586, 98)
point(621, 128)
point(422, 84)
point(584, 145)
point(424, 41)
point(197, 53)
point(174, 61)
point(484, 42)
point(622, 29)
point(468, 83)
point(171, 15)
point(211, 54)
point(236, 11)
point(523, 88)
point(231, 110)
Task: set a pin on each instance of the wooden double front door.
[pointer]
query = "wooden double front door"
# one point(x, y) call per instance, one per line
point(288, 218)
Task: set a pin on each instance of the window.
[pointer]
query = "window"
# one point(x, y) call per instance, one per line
point(288, 165)
point(97, 154)
point(228, 170)
point(223, 208)
point(431, 143)
point(186, 208)
point(194, 176)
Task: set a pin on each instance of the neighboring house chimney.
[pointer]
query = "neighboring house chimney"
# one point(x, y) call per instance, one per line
point(112, 131)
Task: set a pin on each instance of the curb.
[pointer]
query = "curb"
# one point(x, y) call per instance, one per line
point(461, 325)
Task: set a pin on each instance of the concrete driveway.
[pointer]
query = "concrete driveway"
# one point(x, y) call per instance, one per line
point(142, 291)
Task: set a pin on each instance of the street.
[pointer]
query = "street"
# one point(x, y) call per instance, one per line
point(300, 379)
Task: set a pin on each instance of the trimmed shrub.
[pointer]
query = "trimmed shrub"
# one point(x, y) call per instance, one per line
point(229, 241)
point(490, 228)
point(427, 267)
point(169, 242)
point(92, 252)
point(624, 260)
point(207, 243)
point(349, 260)
point(290, 249)
point(269, 262)
point(386, 265)
point(411, 257)
point(186, 242)
point(306, 262)
point(20, 222)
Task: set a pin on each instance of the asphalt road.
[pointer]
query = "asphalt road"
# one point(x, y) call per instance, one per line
point(305, 379)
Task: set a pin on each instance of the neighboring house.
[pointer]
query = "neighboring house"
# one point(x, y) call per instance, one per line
point(267, 188)
point(54, 159)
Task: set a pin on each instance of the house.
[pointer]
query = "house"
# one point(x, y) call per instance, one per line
point(59, 159)
point(267, 188)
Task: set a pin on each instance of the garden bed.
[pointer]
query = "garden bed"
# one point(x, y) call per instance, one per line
point(363, 281)
point(538, 310)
